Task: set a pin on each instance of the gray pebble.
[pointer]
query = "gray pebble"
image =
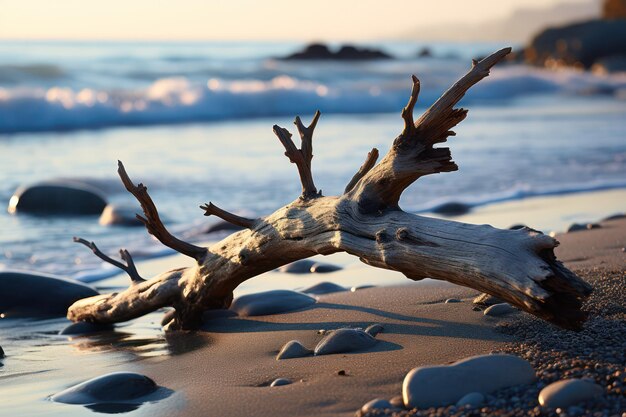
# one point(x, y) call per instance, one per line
point(434, 386)
point(279, 382)
point(298, 267)
point(452, 300)
point(344, 340)
point(498, 310)
point(567, 392)
point(293, 349)
point(270, 302)
point(376, 404)
point(575, 227)
point(324, 288)
point(109, 388)
point(374, 329)
point(319, 268)
point(473, 399)
point(397, 401)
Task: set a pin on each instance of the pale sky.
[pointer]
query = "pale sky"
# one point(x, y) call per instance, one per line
point(240, 19)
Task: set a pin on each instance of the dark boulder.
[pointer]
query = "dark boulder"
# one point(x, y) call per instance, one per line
point(23, 294)
point(452, 209)
point(57, 197)
point(319, 51)
point(114, 215)
point(578, 45)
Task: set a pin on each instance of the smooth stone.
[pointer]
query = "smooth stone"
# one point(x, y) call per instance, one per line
point(83, 327)
point(361, 287)
point(222, 226)
point(442, 385)
point(498, 310)
point(279, 382)
point(23, 294)
point(376, 404)
point(618, 216)
point(575, 227)
point(57, 197)
point(270, 302)
point(486, 300)
point(344, 340)
point(452, 209)
point(319, 268)
point(109, 388)
point(562, 394)
point(452, 300)
point(473, 399)
point(298, 267)
point(114, 215)
point(293, 349)
point(374, 329)
point(324, 288)
point(517, 226)
point(397, 401)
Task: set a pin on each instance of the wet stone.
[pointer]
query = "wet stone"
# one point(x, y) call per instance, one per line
point(110, 388)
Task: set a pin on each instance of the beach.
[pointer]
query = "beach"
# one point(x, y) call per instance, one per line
point(226, 367)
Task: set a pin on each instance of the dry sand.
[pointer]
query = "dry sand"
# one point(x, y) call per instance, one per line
point(231, 374)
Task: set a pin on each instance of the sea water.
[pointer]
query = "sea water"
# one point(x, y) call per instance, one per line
point(193, 121)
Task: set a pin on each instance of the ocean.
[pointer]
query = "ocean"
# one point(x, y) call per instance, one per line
point(193, 121)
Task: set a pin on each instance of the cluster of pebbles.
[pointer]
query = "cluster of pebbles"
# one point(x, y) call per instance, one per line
point(585, 371)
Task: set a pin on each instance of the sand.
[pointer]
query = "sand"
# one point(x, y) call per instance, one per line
point(230, 376)
point(226, 368)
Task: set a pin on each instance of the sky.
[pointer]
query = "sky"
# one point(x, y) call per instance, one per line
point(241, 19)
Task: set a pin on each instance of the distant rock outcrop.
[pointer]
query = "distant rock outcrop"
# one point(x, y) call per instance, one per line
point(318, 51)
point(614, 9)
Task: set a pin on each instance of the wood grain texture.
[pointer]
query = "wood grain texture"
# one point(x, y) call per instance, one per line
point(516, 265)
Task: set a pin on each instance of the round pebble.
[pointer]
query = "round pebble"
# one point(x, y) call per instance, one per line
point(568, 392)
point(270, 302)
point(473, 399)
point(293, 349)
point(376, 404)
point(324, 288)
point(498, 310)
point(452, 300)
point(344, 340)
point(279, 382)
point(109, 388)
point(324, 268)
point(374, 329)
point(434, 386)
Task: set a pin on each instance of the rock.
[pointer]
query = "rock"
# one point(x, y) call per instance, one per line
point(344, 340)
point(361, 287)
point(317, 51)
point(473, 399)
point(1, 352)
point(376, 404)
point(614, 9)
point(575, 227)
point(324, 268)
point(517, 226)
point(374, 329)
point(452, 209)
point(486, 300)
point(397, 401)
point(298, 267)
point(452, 300)
point(425, 52)
point(293, 349)
point(498, 310)
point(222, 226)
point(590, 226)
point(270, 302)
point(562, 394)
point(434, 386)
point(57, 197)
point(110, 388)
point(324, 288)
point(114, 215)
point(577, 45)
point(279, 382)
point(23, 294)
point(83, 327)
point(617, 216)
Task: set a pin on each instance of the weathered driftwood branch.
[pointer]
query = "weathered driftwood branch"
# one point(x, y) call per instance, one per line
point(212, 209)
point(129, 268)
point(516, 265)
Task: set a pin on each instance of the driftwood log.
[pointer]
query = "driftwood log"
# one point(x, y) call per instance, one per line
point(518, 266)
